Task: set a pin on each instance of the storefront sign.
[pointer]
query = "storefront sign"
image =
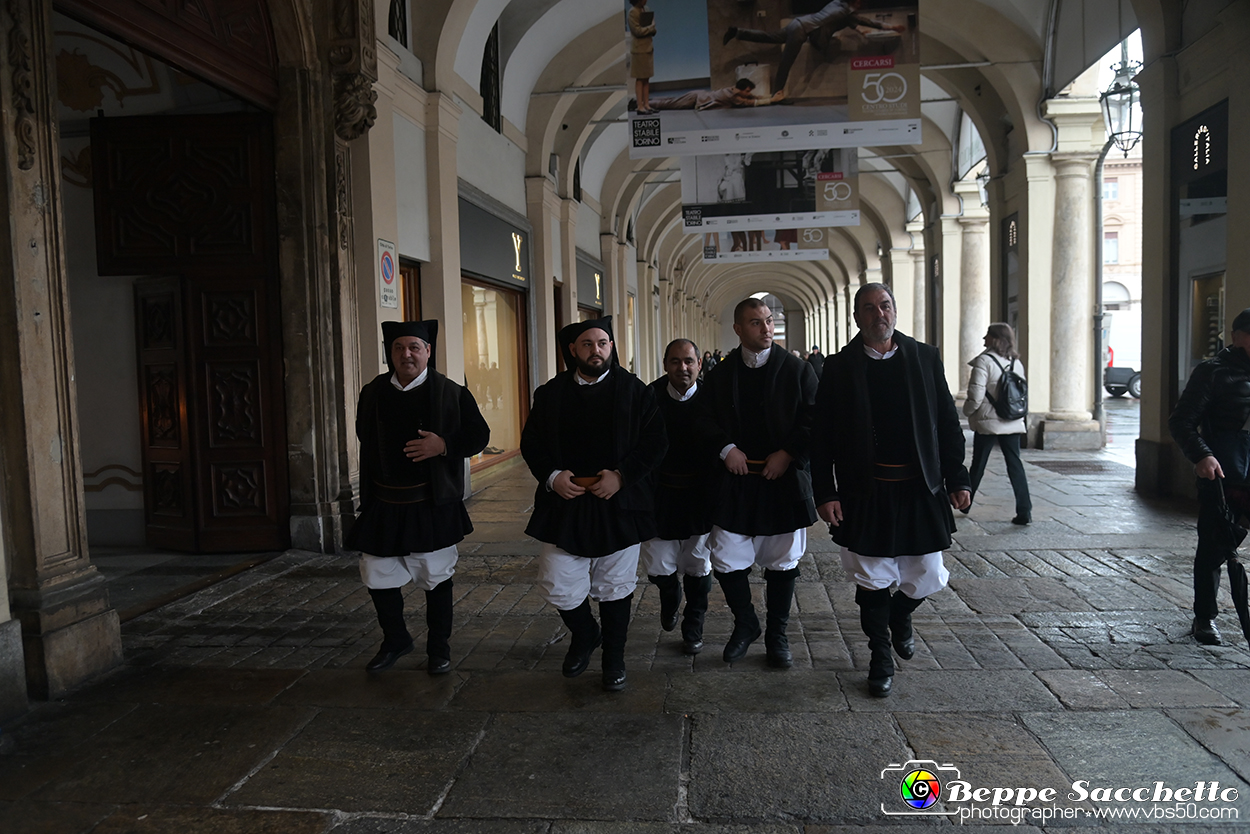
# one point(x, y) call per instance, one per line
point(388, 274)
point(492, 247)
point(766, 245)
point(590, 282)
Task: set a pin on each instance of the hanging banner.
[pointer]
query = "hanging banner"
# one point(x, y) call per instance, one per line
point(770, 189)
point(772, 75)
point(388, 275)
point(757, 245)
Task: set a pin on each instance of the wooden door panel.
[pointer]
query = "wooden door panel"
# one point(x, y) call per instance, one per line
point(192, 197)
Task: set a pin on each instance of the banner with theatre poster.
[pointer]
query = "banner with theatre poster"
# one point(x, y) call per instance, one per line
point(730, 76)
point(765, 190)
point(766, 245)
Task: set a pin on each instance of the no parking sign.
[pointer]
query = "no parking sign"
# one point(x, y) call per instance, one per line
point(387, 274)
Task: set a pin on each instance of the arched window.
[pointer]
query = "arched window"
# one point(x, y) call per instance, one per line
point(1115, 296)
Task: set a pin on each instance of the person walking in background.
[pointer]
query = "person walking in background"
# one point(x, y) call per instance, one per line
point(641, 53)
point(817, 360)
point(990, 428)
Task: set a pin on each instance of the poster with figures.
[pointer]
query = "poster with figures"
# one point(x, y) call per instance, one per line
point(769, 189)
point(730, 76)
point(766, 245)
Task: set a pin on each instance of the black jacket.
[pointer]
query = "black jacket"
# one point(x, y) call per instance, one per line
point(842, 435)
point(790, 393)
point(1216, 399)
point(454, 417)
point(640, 441)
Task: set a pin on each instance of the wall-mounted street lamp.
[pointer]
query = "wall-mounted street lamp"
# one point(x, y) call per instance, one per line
point(983, 185)
point(1121, 104)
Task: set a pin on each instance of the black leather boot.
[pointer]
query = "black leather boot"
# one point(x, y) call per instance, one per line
point(615, 617)
point(396, 641)
point(874, 618)
point(778, 595)
point(438, 605)
point(746, 631)
point(670, 599)
point(697, 589)
point(901, 633)
point(584, 638)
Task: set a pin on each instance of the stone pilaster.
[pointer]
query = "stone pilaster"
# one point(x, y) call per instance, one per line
point(543, 211)
point(974, 279)
point(568, 253)
point(440, 284)
point(68, 630)
point(920, 286)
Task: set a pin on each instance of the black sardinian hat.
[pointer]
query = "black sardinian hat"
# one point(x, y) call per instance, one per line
point(426, 331)
point(570, 333)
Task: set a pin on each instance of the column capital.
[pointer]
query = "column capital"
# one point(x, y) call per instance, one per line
point(442, 112)
point(541, 190)
point(1074, 163)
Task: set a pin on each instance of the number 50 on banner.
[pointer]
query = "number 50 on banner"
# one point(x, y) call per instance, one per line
point(880, 89)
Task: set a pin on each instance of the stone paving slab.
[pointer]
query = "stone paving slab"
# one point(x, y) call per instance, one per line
point(549, 692)
point(376, 825)
point(561, 765)
point(1079, 689)
point(355, 688)
point(943, 691)
point(765, 691)
point(365, 760)
point(1155, 690)
point(174, 754)
point(1130, 749)
point(753, 770)
point(1225, 732)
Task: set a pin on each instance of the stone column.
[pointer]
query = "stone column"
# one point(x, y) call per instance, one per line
point(1068, 424)
point(974, 279)
point(68, 631)
point(920, 286)
point(440, 280)
point(543, 212)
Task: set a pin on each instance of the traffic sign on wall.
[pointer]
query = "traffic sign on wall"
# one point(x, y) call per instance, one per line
point(388, 274)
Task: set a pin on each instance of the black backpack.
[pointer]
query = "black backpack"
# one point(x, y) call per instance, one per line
point(1012, 401)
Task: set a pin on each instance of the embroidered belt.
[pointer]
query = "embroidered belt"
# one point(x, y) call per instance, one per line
point(585, 482)
point(895, 472)
point(415, 494)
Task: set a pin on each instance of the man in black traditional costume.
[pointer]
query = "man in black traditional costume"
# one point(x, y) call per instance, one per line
point(887, 466)
point(678, 556)
point(416, 427)
point(592, 438)
point(758, 406)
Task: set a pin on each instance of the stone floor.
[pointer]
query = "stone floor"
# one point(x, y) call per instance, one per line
point(1058, 655)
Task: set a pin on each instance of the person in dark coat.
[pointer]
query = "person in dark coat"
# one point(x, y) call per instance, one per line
point(817, 360)
point(416, 427)
point(758, 409)
point(678, 557)
point(592, 439)
point(887, 466)
point(1209, 424)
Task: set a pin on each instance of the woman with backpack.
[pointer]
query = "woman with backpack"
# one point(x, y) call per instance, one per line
point(994, 411)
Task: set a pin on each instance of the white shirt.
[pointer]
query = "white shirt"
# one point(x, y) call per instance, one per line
point(752, 359)
point(680, 397)
point(416, 383)
point(873, 353)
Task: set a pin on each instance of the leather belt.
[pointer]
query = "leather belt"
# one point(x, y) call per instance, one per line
point(678, 480)
point(414, 494)
point(895, 471)
point(755, 467)
point(585, 482)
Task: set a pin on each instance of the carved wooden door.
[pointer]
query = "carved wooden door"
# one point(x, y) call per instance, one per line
point(192, 198)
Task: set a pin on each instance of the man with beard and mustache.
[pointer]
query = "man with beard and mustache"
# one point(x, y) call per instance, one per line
point(416, 427)
point(887, 466)
point(757, 405)
point(678, 556)
point(592, 438)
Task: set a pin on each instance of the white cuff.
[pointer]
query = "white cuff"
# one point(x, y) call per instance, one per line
point(728, 448)
point(551, 479)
